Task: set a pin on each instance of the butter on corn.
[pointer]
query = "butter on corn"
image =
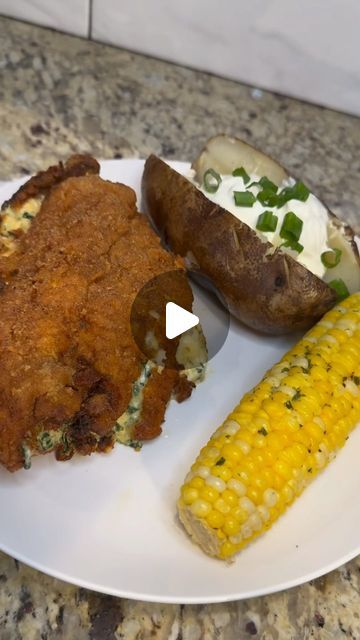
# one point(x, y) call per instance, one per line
point(278, 438)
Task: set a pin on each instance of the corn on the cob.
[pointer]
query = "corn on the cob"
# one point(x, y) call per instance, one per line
point(278, 438)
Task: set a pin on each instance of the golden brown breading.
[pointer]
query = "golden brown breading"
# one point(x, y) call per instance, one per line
point(66, 349)
point(32, 193)
point(40, 184)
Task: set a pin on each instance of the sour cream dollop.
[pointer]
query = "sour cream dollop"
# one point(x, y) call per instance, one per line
point(314, 234)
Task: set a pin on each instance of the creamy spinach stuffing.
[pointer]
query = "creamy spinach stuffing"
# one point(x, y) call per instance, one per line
point(49, 439)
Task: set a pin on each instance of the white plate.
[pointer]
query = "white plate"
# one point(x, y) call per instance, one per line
point(108, 522)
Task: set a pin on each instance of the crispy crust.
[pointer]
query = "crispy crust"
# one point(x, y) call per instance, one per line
point(66, 347)
point(265, 289)
point(42, 182)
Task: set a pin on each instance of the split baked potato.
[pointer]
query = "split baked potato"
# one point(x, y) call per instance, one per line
point(262, 283)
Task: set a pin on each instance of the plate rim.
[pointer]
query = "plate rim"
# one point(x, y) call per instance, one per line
point(145, 597)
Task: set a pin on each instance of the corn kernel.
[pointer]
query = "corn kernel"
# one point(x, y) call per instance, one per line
point(215, 519)
point(276, 441)
point(230, 497)
point(222, 506)
point(237, 486)
point(236, 540)
point(247, 504)
point(259, 482)
point(221, 471)
point(287, 494)
point(232, 453)
point(203, 471)
point(264, 513)
point(277, 481)
point(206, 461)
point(189, 495)
point(269, 456)
point(249, 466)
point(254, 494)
point(209, 493)
point(197, 483)
point(314, 430)
point(248, 406)
point(293, 455)
point(261, 422)
point(219, 442)
point(270, 497)
point(243, 445)
point(231, 526)
point(283, 469)
point(260, 441)
point(244, 435)
point(303, 438)
point(211, 452)
point(227, 549)
point(231, 427)
point(246, 531)
point(273, 408)
point(268, 475)
point(200, 508)
point(240, 514)
point(216, 483)
point(255, 521)
point(258, 458)
point(320, 459)
point(243, 476)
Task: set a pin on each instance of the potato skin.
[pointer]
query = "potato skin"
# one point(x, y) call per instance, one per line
point(265, 288)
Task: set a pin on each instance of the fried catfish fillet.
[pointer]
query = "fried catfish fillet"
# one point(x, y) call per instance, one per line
point(18, 212)
point(72, 378)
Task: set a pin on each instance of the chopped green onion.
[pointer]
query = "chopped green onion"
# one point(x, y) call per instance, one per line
point(265, 184)
point(240, 172)
point(292, 244)
point(212, 181)
point(46, 441)
point(298, 192)
point(331, 259)
point(268, 185)
point(134, 444)
point(268, 198)
point(244, 198)
point(297, 395)
point(340, 288)
point(267, 221)
point(65, 442)
point(291, 227)
point(26, 451)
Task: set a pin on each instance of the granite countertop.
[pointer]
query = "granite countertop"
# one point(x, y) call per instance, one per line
point(60, 94)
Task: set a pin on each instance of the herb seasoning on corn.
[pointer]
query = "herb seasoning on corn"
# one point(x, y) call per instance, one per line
point(278, 438)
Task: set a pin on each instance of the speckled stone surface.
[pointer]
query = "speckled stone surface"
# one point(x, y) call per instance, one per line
point(60, 94)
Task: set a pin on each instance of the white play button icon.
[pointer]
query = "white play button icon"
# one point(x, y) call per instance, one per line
point(163, 314)
point(178, 320)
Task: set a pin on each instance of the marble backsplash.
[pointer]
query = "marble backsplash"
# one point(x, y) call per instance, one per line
point(306, 49)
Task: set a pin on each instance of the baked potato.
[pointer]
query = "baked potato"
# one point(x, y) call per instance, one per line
point(267, 284)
